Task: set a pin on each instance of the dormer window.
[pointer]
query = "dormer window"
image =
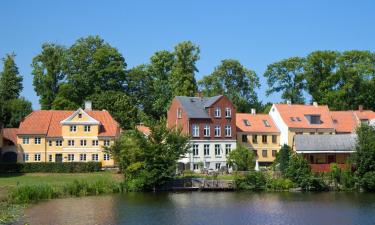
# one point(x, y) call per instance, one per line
point(247, 123)
point(314, 119)
point(228, 112)
point(298, 119)
point(73, 128)
point(217, 112)
point(266, 123)
point(292, 119)
point(179, 113)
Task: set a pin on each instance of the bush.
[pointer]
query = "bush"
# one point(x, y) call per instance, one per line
point(368, 181)
point(347, 180)
point(51, 167)
point(252, 180)
point(279, 184)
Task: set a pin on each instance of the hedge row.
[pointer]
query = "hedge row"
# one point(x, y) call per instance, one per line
point(51, 167)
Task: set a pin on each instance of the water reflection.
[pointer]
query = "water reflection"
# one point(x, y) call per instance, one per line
point(208, 208)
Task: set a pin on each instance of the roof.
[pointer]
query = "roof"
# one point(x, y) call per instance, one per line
point(195, 106)
point(47, 122)
point(325, 143)
point(256, 123)
point(10, 134)
point(365, 114)
point(344, 121)
point(301, 111)
point(143, 129)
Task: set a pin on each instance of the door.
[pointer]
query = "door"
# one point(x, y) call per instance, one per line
point(58, 158)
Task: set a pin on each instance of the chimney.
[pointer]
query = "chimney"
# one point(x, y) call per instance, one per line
point(289, 102)
point(88, 105)
point(253, 112)
point(315, 104)
point(360, 108)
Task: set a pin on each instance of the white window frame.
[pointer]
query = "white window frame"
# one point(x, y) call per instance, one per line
point(87, 128)
point(228, 131)
point(49, 143)
point(82, 157)
point(217, 166)
point(73, 128)
point(179, 113)
point(70, 157)
point(195, 149)
point(58, 143)
point(50, 158)
point(37, 140)
point(206, 130)
point(195, 130)
point(107, 143)
point(106, 157)
point(217, 150)
point(95, 142)
point(206, 149)
point(228, 112)
point(37, 157)
point(25, 140)
point(217, 112)
point(195, 166)
point(83, 142)
point(95, 157)
point(26, 157)
point(228, 148)
point(217, 131)
point(70, 142)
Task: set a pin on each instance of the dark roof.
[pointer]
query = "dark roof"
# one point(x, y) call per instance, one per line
point(195, 106)
point(325, 143)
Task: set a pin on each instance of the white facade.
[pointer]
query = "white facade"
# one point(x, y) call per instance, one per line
point(214, 159)
point(281, 125)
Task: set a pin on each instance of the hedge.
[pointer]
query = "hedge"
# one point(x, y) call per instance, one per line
point(51, 167)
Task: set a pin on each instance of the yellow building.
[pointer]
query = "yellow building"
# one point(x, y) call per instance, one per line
point(259, 133)
point(67, 136)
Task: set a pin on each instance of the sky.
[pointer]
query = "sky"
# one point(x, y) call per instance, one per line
point(256, 33)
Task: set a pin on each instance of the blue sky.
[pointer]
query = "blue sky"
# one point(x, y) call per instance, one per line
point(255, 32)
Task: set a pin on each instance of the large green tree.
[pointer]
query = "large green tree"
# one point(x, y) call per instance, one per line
point(48, 71)
point(184, 67)
point(10, 79)
point(282, 158)
point(15, 110)
point(241, 159)
point(287, 77)
point(235, 81)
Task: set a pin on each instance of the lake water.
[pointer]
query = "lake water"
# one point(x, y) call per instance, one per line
point(208, 208)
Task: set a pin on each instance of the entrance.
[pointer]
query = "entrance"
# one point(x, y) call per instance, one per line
point(58, 158)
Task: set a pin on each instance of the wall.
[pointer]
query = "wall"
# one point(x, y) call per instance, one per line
point(283, 128)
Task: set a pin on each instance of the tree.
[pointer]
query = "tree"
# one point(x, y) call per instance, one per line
point(241, 159)
point(183, 71)
point(10, 80)
point(15, 110)
point(287, 76)
point(48, 67)
point(232, 79)
point(299, 171)
point(364, 156)
point(147, 162)
point(282, 158)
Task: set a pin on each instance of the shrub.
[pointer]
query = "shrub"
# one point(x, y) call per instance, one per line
point(279, 184)
point(368, 181)
point(251, 181)
point(51, 167)
point(347, 180)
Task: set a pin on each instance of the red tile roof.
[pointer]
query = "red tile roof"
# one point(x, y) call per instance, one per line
point(344, 121)
point(300, 111)
point(365, 114)
point(47, 122)
point(256, 123)
point(10, 134)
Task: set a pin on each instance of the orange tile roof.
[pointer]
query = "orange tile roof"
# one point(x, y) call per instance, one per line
point(256, 123)
point(294, 110)
point(10, 134)
point(365, 114)
point(344, 121)
point(143, 129)
point(47, 122)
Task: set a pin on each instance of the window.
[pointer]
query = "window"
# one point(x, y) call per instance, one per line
point(106, 157)
point(95, 142)
point(264, 139)
point(106, 142)
point(195, 130)
point(80, 115)
point(255, 139)
point(207, 165)
point(195, 150)
point(314, 119)
point(247, 123)
point(299, 132)
point(206, 149)
point(228, 131)
point(228, 148)
point(312, 133)
point(217, 112)
point(320, 133)
point(179, 113)
point(37, 157)
point(292, 119)
point(195, 166)
point(70, 142)
point(264, 153)
point(25, 140)
point(73, 128)
point(58, 142)
point(274, 152)
point(298, 119)
point(50, 158)
point(266, 123)
point(206, 130)
point(95, 157)
point(70, 157)
point(244, 138)
point(217, 131)
point(255, 152)
point(217, 166)
point(37, 140)
point(217, 149)
point(87, 128)
point(82, 157)
point(49, 143)
point(25, 157)
point(83, 142)
point(274, 139)
point(228, 112)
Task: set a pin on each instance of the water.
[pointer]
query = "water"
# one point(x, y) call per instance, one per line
point(208, 208)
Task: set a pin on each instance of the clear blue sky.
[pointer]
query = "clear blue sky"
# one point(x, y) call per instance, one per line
point(255, 32)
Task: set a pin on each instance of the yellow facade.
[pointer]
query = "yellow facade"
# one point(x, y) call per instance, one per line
point(265, 149)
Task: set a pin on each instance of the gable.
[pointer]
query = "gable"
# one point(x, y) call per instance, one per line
point(80, 117)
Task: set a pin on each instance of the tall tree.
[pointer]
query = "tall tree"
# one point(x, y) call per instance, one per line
point(10, 79)
point(287, 76)
point(48, 73)
point(183, 71)
point(241, 159)
point(232, 79)
point(15, 110)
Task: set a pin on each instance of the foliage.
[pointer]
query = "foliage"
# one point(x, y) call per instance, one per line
point(252, 180)
point(48, 71)
point(15, 110)
point(364, 156)
point(51, 167)
point(279, 184)
point(147, 162)
point(232, 79)
point(10, 79)
point(347, 180)
point(241, 159)
point(368, 181)
point(282, 158)
point(298, 171)
point(335, 174)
